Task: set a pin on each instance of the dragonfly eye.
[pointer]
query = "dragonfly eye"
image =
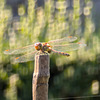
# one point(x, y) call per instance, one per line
point(38, 46)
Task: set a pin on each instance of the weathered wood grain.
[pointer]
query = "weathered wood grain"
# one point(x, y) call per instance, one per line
point(41, 77)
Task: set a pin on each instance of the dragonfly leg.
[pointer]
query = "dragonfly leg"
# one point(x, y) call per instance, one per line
point(42, 52)
point(61, 53)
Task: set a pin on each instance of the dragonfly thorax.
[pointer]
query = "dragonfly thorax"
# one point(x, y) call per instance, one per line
point(43, 47)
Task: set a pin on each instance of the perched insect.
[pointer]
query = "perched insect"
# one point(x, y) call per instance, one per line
point(59, 46)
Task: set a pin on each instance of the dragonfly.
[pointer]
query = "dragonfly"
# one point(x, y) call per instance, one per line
point(58, 46)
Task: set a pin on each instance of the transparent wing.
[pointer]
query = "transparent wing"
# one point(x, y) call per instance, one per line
point(68, 47)
point(25, 58)
point(20, 50)
point(63, 40)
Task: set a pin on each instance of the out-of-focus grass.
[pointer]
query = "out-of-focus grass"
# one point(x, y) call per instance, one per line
point(55, 20)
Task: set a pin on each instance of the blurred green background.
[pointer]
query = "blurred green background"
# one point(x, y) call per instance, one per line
point(23, 22)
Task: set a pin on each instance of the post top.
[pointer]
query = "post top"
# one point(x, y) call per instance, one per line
point(41, 54)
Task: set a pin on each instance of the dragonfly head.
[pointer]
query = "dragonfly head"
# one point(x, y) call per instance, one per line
point(38, 46)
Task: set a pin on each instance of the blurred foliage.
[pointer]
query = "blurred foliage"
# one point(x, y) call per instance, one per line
point(75, 76)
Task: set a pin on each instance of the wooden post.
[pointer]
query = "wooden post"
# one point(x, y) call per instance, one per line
point(41, 77)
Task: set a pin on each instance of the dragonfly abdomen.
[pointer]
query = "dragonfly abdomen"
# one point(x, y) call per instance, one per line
point(61, 53)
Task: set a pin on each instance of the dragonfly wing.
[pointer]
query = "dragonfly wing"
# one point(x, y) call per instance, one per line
point(68, 47)
point(25, 58)
point(20, 50)
point(63, 40)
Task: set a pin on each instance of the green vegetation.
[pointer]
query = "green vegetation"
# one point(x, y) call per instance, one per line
point(74, 76)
